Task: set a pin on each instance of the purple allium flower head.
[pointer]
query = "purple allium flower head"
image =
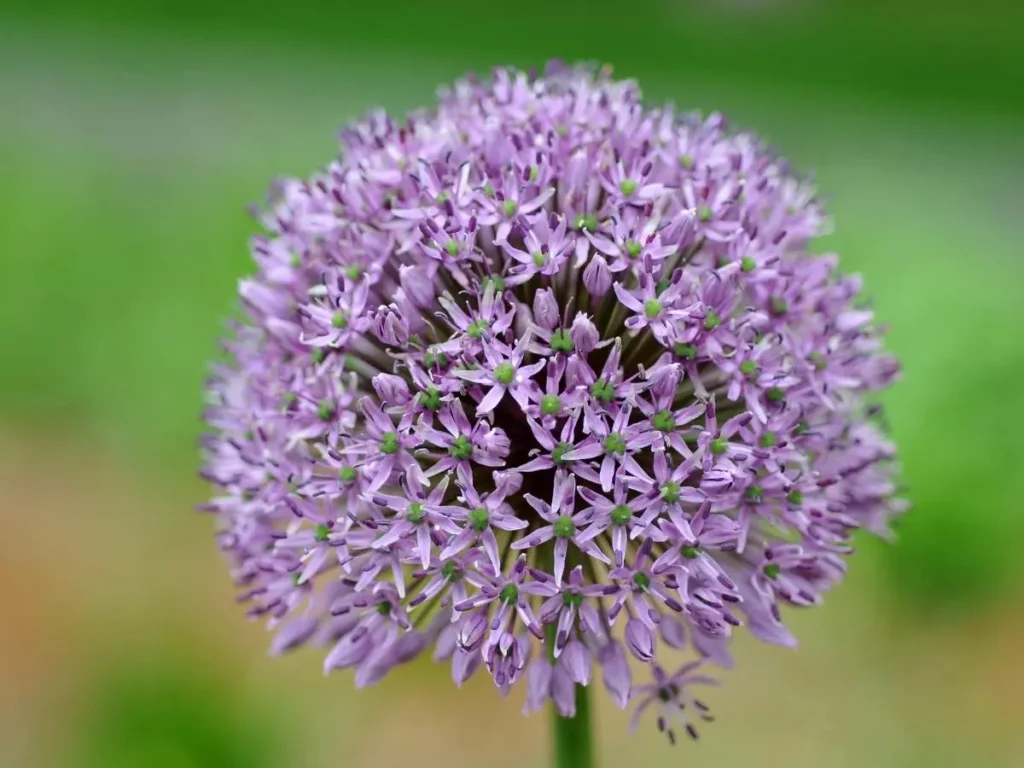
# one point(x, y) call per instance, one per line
point(543, 363)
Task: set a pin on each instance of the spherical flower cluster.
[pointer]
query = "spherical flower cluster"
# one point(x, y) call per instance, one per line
point(541, 381)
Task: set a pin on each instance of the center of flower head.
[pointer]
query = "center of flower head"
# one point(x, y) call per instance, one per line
point(321, 533)
point(497, 282)
point(539, 259)
point(703, 213)
point(451, 571)
point(558, 454)
point(615, 443)
point(550, 405)
point(669, 693)
point(603, 390)
point(586, 222)
point(690, 551)
point(796, 498)
point(754, 493)
point(415, 512)
point(354, 271)
point(768, 439)
point(719, 446)
point(652, 308)
point(561, 341)
point(621, 515)
point(712, 320)
point(627, 187)
point(325, 410)
point(818, 361)
point(633, 248)
point(339, 320)
point(452, 247)
point(564, 527)
point(478, 519)
point(685, 351)
point(572, 599)
point(772, 570)
point(749, 368)
point(430, 398)
point(664, 421)
point(641, 580)
point(505, 373)
point(671, 492)
point(347, 474)
point(384, 608)
point(510, 207)
point(435, 357)
point(509, 594)
point(389, 443)
point(775, 395)
point(477, 329)
point(461, 448)
point(747, 264)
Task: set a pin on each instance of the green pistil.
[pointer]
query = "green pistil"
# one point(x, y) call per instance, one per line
point(295, 578)
point(686, 161)
point(558, 454)
point(452, 247)
point(633, 248)
point(384, 608)
point(772, 570)
point(704, 213)
point(818, 361)
point(621, 515)
point(564, 527)
point(779, 305)
point(325, 410)
point(572, 599)
point(430, 398)
point(602, 390)
point(754, 494)
point(562, 130)
point(690, 551)
point(585, 221)
point(671, 492)
point(510, 207)
point(288, 399)
point(432, 358)
point(562, 342)
point(504, 373)
point(775, 395)
point(451, 571)
point(796, 498)
point(295, 260)
point(534, 172)
point(539, 258)
point(441, 198)
point(339, 320)
point(415, 513)
point(479, 519)
point(318, 355)
point(389, 443)
point(664, 421)
point(461, 448)
point(550, 405)
point(719, 446)
point(749, 369)
point(747, 264)
point(321, 532)
point(652, 308)
point(346, 474)
point(354, 271)
point(685, 351)
point(712, 320)
point(615, 443)
point(768, 439)
point(802, 427)
point(627, 187)
point(642, 580)
point(489, 189)
point(509, 594)
point(497, 281)
point(476, 329)
point(662, 285)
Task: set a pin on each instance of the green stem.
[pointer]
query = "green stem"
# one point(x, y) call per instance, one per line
point(574, 745)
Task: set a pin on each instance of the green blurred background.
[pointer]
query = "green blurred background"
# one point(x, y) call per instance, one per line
point(132, 136)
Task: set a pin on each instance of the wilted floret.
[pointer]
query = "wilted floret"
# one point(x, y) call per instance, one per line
point(545, 367)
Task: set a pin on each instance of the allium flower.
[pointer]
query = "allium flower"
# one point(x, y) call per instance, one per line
point(550, 383)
